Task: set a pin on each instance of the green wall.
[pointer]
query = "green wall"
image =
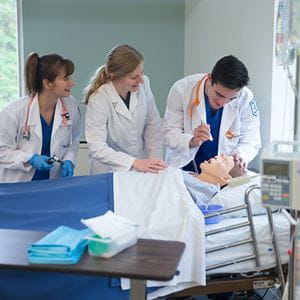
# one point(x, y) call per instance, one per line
point(85, 30)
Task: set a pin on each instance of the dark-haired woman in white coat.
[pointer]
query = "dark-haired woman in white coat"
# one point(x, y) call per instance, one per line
point(44, 123)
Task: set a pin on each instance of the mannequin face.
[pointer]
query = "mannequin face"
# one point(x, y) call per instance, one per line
point(219, 166)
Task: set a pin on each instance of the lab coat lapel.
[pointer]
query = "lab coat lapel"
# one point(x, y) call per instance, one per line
point(57, 117)
point(118, 103)
point(133, 102)
point(34, 120)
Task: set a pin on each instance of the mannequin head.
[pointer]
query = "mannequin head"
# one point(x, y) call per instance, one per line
point(216, 170)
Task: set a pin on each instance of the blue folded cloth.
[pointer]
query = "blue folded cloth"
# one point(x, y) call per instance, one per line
point(64, 245)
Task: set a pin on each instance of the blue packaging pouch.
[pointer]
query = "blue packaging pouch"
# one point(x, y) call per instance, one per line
point(64, 245)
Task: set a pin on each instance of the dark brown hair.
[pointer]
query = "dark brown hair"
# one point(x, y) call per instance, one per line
point(45, 67)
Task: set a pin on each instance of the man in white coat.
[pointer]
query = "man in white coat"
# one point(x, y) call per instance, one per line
point(211, 114)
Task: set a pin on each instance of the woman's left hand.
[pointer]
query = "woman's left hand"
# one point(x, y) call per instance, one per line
point(67, 168)
point(151, 165)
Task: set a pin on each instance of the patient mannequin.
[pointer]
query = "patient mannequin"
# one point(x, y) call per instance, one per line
point(216, 170)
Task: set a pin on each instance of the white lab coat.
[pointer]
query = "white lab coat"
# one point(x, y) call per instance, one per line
point(116, 135)
point(240, 115)
point(15, 150)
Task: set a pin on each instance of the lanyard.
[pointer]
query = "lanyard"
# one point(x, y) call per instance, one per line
point(65, 116)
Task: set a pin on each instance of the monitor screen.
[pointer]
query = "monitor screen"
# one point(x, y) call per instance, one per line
point(276, 168)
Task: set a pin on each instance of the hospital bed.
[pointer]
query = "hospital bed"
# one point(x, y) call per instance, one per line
point(46, 204)
point(251, 248)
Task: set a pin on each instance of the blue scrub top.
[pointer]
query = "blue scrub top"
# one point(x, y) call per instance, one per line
point(208, 149)
point(46, 133)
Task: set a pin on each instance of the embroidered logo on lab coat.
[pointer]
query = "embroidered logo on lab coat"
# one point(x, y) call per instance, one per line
point(254, 108)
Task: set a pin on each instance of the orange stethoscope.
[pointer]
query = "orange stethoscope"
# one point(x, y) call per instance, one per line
point(65, 116)
point(229, 133)
point(196, 101)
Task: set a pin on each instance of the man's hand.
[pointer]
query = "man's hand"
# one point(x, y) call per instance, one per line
point(201, 134)
point(240, 166)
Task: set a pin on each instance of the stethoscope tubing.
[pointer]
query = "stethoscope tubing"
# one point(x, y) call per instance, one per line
point(65, 115)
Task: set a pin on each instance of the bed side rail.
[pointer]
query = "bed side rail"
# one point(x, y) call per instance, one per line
point(251, 240)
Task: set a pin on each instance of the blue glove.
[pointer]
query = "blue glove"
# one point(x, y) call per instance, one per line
point(67, 168)
point(40, 162)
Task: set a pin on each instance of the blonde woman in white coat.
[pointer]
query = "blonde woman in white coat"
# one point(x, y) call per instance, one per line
point(42, 124)
point(123, 126)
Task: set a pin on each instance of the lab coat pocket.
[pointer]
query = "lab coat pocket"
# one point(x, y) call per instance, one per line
point(67, 136)
point(230, 144)
point(64, 139)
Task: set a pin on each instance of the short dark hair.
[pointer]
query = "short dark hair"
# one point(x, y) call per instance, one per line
point(230, 72)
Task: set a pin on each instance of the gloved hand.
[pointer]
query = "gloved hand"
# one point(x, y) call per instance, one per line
point(40, 163)
point(67, 168)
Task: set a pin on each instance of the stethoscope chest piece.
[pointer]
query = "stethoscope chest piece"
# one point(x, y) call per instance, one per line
point(230, 134)
point(26, 135)
point(66, 115)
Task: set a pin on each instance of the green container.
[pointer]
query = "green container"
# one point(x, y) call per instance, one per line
point(108, 247)
point(98, 246)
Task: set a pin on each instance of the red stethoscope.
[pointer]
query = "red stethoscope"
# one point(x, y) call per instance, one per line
point(65, 116)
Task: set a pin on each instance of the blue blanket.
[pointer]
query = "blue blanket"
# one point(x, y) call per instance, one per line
point(43, 206)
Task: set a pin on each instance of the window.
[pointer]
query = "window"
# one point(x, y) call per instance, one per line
point(8, 52)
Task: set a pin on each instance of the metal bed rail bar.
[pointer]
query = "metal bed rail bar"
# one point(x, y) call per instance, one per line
point(226, 228)
point(276, 249)
point(250, 218)
point(229, 245)
point(231, 262)
point(226, 211)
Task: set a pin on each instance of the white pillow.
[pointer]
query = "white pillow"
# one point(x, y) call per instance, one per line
point(234, 196)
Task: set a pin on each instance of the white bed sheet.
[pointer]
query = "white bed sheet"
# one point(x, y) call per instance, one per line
point(163, 208)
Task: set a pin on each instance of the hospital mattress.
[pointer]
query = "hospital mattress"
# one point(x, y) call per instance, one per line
point(264, 241)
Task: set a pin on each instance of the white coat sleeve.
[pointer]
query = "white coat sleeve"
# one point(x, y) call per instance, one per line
point(96, 119)
point(72, 151)
point(10, 156)
point(176, 140)
point(152, 134)
point(250, 141)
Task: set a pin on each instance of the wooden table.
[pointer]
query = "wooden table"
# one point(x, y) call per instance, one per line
point(147, 260)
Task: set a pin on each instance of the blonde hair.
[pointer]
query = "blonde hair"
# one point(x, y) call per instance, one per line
point(120, 61)
point(45, 67)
